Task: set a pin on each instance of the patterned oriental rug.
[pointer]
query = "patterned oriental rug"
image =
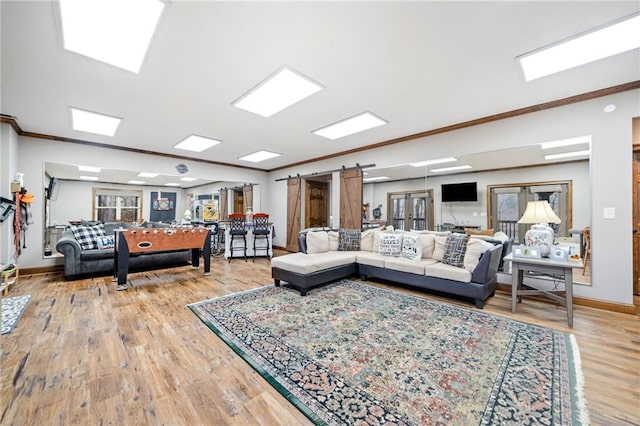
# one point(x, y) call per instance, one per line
point(350, 353)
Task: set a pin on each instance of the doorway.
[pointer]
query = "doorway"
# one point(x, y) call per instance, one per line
point(410, 210)
point(316, 212)
point(636, 205)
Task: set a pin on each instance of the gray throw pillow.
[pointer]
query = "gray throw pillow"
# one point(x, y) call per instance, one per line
point(455, 249)
point(348, 239)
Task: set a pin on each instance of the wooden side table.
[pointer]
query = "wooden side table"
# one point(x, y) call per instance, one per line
point(562, 268)
point(9, 277)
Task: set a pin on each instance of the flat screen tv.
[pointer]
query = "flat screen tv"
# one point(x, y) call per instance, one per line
point(466, 191)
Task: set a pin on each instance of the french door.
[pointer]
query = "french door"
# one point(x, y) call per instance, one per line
point(410, 210)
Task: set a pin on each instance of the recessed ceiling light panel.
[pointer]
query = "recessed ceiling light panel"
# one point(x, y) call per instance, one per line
point(567, 155)
point(117, 32)
point(172, 184)
point(188, 179)
point(148, 174)
point(612, 39)
point(359, 123)
point(451, 169)
point(91, 169)
point(136, 182)
point(279, 91)
point(432, 162)
point(259, 156)
point(373, 179)
point(92, 122)
point(566, 142)
point(88, 177)
point(196, 143)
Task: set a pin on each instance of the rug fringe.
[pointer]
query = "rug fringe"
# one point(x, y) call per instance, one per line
point(583, 411)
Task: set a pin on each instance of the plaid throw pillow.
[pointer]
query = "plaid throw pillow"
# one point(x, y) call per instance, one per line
point(87, 236)
point(348, 239)
point(455, 249)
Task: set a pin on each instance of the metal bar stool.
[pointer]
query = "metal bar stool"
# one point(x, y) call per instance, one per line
point(261, 230)
point(237, 230)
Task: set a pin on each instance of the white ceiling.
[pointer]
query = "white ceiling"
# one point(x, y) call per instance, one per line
point(419, 65)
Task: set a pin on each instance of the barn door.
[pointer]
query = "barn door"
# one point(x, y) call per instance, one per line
point(224, 210)
point(351, 198)
point(293, 213)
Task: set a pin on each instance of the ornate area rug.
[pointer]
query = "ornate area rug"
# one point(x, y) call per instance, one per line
point(349, 353)
point(12, 310)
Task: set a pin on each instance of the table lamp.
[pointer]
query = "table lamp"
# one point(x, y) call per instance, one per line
point(541, 234)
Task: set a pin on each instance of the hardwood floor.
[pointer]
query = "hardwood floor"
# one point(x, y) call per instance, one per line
point(86, 354)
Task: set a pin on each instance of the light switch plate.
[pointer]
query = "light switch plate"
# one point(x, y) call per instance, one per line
point(609, 213)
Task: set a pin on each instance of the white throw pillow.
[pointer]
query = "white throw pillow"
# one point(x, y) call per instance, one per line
point(317, 242)
point(438, 251)
point(334, 240)
point(366, 240)
point(428, 243)
point(475, 248)
point(390, 244)
point(411, 247)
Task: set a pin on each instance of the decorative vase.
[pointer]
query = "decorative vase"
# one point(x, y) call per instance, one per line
point(540, 235)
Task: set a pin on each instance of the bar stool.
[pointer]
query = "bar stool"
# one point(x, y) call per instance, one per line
point(237, 230)
point(261, 230)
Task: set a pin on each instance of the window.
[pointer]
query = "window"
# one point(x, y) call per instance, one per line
point(507, 204)
point(114, 205)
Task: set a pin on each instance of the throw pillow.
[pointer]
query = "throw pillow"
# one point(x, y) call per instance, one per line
point(475, 249)
point(455, 249)
point(438, 250)
point(428, 244)
point(411, 247)
point(106, 242)
point(366, 240)
point(348, 239)
point(317, 242)
point(390, 244)
point(333, 240)
point(87, 236)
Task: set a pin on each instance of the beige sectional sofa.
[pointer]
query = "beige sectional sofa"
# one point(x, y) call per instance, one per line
point(454, 264)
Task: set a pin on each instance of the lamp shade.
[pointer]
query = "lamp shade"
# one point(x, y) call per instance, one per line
point(539, 212)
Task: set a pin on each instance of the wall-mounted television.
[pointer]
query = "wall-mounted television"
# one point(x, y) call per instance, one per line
point(466, 191)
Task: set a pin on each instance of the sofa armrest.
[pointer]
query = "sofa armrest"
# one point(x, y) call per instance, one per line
point(70, 248)
point(302, 243)
point(488, 266)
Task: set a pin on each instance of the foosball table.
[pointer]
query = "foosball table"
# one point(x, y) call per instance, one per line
point(130, 241)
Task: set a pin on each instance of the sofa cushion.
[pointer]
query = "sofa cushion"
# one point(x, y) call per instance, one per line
point(302, 263)
point(426, 231)
point(455, 249)
point(411, 246)
point(475, 248)
point(428, 242)
point(438, 250)
point(371, 259)
point(333, 240)
point(390, 244)
point(366, 240)
point(448, 272)
point(87, 236)
point(349, 239)
point(317, 242)
point(403, 264)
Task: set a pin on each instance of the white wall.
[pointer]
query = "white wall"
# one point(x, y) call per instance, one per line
point(8, 164)
point(610, 174)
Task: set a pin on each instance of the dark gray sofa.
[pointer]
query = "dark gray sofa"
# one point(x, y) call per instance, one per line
point(482, 285)
point(79, 262)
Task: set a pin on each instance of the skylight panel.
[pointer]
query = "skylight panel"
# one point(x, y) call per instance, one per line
point(148, 174)
point(350, 126)
point(567, 155)
point(432, 162)
point(196, 143)
point(117, 32)
point(259, 156)
point(172, 184)
point(136, 182)
point(277, 92)
point(451, 169)
point(566, 142)
point(82, 177)
point(188, 179)
point(92, 122)
point(612, 39)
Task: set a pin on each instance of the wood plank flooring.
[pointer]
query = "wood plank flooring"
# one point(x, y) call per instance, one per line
point(86, 354)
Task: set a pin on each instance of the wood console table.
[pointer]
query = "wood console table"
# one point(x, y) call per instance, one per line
point(545, 266)
point(159, 239)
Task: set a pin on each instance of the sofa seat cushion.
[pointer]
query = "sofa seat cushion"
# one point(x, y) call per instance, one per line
point(403, 264)
point(371, 259)
point(96, 254)
point(440, 270)
point(302, 263)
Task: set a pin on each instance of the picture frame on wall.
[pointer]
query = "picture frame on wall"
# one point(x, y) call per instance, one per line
point(531, 252)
